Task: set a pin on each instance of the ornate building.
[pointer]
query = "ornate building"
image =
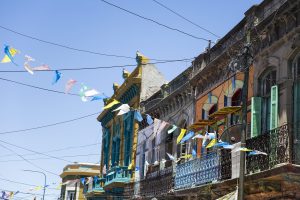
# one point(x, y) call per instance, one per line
point(119, 139)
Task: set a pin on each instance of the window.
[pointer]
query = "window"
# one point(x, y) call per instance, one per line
point(116, 146)
point(267, 81)
point(71, 195)
point(296, 95)
point(128, 131)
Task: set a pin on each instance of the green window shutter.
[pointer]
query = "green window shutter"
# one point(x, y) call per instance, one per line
point(274, 107)
point(255, 116)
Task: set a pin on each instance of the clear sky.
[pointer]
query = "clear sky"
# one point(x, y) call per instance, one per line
point(95, 26)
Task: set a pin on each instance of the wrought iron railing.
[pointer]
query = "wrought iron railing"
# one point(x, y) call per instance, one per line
point(118, 174)
point(217, 166)
point(158, 183)
point(198, 171)
point(276, 143)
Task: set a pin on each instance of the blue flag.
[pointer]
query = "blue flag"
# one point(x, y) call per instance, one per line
point(56, 77)
point(194, 153)
point(149, 119)
point(82, 180)
point(187, 137)
point(138, 116)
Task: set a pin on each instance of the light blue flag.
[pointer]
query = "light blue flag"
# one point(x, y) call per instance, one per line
point(99, 97)
point(8, 53)
point(149, 119)
point(194, 153)
point(221, 144)
point(56, 77)
point(187, 137)
point(138, 116)
point(82, 180)
point(137, 169)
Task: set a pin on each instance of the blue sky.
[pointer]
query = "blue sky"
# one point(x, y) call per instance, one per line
point(95, 26)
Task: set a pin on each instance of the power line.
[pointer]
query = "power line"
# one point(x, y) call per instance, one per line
point(55, 150)
point(29, 162)
point(72, 48)
point(154, 21)
point(33, 152)
point(48, 125)
point(46, 158)
point(100, 67)
point(39, 88)
point(179, 15)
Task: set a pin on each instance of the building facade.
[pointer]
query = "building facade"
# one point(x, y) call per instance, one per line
point(72, 188)
point(120, 132)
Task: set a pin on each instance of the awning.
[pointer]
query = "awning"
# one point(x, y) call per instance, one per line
point(225, 111)
point(201, 124)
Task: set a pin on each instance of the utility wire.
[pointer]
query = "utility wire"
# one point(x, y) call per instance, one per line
point(154, 21)
point(39, 88)
point(29, 162)
point(48, 125)
point(179, 15)
point(46, 158)
point(101, 67)
point(72, 48)
point(33, 152)
point(55, 150)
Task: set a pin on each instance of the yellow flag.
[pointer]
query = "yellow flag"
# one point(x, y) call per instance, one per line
point(111, 104)
point(37, 188)
point(59, 186)
point(245, 149)
point(186, 156)
point(12, 52)
point(183, 131)
point(211, 143)
point(130, 166)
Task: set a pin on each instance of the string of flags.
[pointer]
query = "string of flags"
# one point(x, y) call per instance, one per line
point(8, 195)
point(85, 93)
point(209, 139)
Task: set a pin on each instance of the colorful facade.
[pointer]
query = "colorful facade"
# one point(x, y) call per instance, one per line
point(119, 139)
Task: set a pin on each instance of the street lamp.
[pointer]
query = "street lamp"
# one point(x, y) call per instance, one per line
point(27, 170)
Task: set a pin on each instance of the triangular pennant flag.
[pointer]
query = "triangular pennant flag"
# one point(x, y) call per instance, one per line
point(111, 104)
point(91, 93)
point(182, 132)
point(174, 127)
point(221, 144)
point(211, 143)
point(69, 85)
point(138, 116)
point(194, 153)
point(186, 156)
point(244, 149)
point(228, 146)
point(255, 152)
point(82, 180)
point(123, 107)
point(171, 157)
point(28, 58)
point(9, 54)
point(28, 68)
point(56, 77)
point(130, 166)
point(187, 137)
point(149, 119)
point(199, 136)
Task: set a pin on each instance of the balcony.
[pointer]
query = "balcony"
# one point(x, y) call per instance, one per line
point(198, 171)
point(94, 188)
point(158, 183)
point(117, 177)
point(217, 166)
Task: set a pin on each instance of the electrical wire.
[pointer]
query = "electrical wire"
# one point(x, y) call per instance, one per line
point(154, 21)
point(101, 67)
point(55, 150)
point(29, 162)
point(43, 158)
point(37, 87)
point(73, 48)
point(179, 15)
point(48, 125)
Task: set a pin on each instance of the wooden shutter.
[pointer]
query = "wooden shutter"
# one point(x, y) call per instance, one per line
point(274, 107)
point(255, 116)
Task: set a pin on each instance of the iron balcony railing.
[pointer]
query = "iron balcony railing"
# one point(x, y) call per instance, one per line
point(120, 174)
point(217, 166)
